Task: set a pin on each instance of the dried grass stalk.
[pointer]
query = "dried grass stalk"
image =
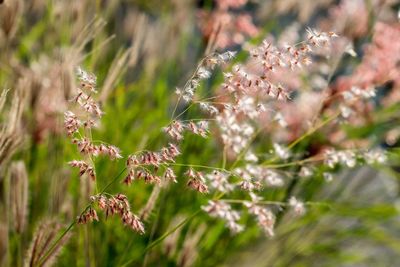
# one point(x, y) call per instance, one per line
point(18, 195)
point(10, 13)
point(189, 253)
point(41, 251)
point(151, 202)
point(3, 98)
point(3, 243)
point(11, 134)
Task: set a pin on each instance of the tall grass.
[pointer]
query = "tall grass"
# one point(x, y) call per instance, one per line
point(320, 143)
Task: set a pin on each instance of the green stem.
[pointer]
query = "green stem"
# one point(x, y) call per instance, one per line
point(166, 234)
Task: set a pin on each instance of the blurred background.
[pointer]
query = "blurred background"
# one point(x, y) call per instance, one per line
point(140, 52)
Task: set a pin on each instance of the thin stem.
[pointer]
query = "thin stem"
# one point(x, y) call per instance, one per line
point(301, 138)
point(313, 130)
point(294, 163)
point(112, 181)
point(224, 157)
point(161, 238)
point(279, 203)
point(199, 166)
point(176, 106)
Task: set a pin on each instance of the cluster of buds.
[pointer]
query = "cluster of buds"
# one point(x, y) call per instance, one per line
point(374, 156)
point(346, 157)
point(119, 205)
point(141, 173)
point(219, 181)
point(88, 216)
point(317, 38)
point(83, 168)
point(196, 181)
point(86, 147)
point(136, 165)
point(281, 152)
point(209, 108)
point(352, 99)
point(241, 82)
point(236, 134)
point(176, 129)
point(265, 217)
point(260, 175)
point(224, 211)
point(297, 206)
point(169, 175)
point(203, 71)
point(86, 89)
point(71, 123)
point(250, 185)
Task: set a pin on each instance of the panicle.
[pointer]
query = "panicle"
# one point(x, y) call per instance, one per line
point(136, 165)
point(118, 204)
point(305, 171)
point(224, 211)
point(209, 108)
point(281, 151)
point(236, 134)
point(248, 185)
point(259, 175)
point(196, 181)
point(219, 181)
point(88, 216)
point(71, 123)
point(129, 177)
point(88, 80)
point(265, 217)
point(317, 38)
point(170, 176)
point(346, 157)
point(375, 156)
point(176, 129)
point(202, 72)
point(83, 168)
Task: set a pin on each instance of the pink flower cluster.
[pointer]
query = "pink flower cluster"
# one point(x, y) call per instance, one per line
point(224, 211)
point(119, 205)
point(196, 181)
point(176, 129)
point(78, 129)
point(136, 165)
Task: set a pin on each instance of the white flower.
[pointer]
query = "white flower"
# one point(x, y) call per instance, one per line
point(250, 156)
point(281, 151)
point(219, 181)
point(375, 156)
point(305, 172)
point(280, 119)
point(298, 206)
point(345, 111)
point(203, 73)
point(224, 211)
